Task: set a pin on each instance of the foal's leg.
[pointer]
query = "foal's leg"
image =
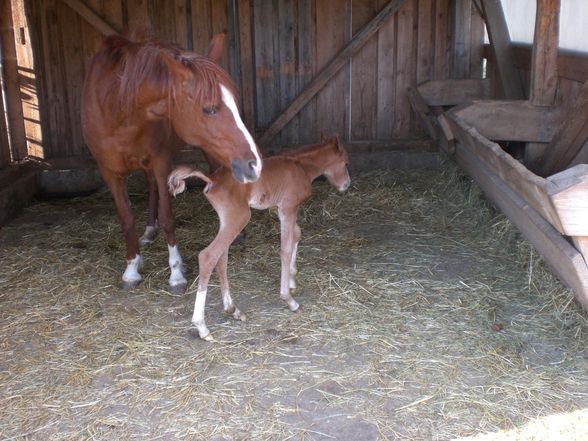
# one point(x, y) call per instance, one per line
point(117, 186)
point(228, 305)
point(151, 228)
point(288, 240)
point(177, 281)
point(232, 220)
point(293, 269)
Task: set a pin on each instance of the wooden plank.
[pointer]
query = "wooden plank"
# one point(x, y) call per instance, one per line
point(478, 31)
point(510, 120)
point(530, 187)
point(500, 40)
point(442, 39)
point(332, 101)
point(405, 50)
point(544, 80)
point(201, 25)
point(569, 138)
point(454, 92)
point(447, 141)
point(425, 41)
point(461, 33)
point(363, 108)
point(562, 257)
point(91, 17)
point(307, 67)
point(181, 23)
point(246, 63)
point(332, 67)
point(569, 194)
point(138, 15)
point(386, 114)
point(219, 14)
point(12, 84)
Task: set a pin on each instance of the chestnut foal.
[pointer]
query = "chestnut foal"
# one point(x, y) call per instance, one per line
point(284, 183)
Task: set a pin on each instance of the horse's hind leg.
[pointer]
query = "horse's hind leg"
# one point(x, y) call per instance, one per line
point(151, 228)
point(177, 281)
point(293, 269)
point(117, 186)
point(228, 305)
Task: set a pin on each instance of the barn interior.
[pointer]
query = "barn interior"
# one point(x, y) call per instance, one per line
point(443, 295)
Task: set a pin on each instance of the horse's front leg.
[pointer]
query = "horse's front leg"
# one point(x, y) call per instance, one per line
point(151, 228)
point(293, 268)
point(288, 240)
point(118, 189)
point(177, 281)
point(232, 219)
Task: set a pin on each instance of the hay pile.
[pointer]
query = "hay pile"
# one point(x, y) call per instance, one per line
point(425, 316)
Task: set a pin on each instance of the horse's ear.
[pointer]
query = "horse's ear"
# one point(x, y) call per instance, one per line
point(216, 47)
point(157, 110)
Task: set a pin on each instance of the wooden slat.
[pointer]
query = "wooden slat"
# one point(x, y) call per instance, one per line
point(500, 40)
point(454, 92)
point(91, 17)
point(562, 257)
point(461, 34)
point(386, 114)
point(425, 38)
point(307, 67)
point(246, 63)
point(405, 50)
point(4, 145)
point(12, 84)
point(201, 25)
point(363, 108)
point(333, 67)
point(510, 120)
point(138, 14)
point(569, 138)
point(442, 39)
point(531, 188)
point(476, 42)
point(286, 54)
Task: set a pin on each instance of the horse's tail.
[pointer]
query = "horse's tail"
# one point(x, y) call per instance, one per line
point(176, 180)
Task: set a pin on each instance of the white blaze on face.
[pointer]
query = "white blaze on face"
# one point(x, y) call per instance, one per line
point(229, 101)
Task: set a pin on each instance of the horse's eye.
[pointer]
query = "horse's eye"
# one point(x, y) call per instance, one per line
point(210, 111)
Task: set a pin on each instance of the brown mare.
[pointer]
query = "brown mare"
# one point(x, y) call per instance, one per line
point(136, 95)
point(285, 183)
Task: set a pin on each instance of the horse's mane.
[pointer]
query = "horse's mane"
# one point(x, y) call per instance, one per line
point(148, 61)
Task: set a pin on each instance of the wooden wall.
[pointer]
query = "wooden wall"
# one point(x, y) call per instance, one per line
point(274, 49)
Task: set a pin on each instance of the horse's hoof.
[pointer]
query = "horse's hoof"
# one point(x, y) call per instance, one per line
point(207, 337)
point(238, 315)
point(129, 284)
point(179, 289)
point(144, 241)
point(294, 306)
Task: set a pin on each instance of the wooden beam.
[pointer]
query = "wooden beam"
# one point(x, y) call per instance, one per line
point(91, 17)
point(422, 110)
point(510, 120)
point(569, 194)
point(454, 92)
point(500, 40)
point(329, 70)
point(16, 127)
point(544, 79)
point(560, 255)
point(569, 138)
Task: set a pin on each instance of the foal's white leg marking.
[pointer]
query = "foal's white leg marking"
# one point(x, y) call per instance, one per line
point(198, 316)
point(175, 265)
point(229, 101)
point(293, 269)
point(131, 274)
point(149, 235)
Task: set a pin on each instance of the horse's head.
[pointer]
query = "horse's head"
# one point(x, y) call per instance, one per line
point(336, 172)
point(202, 106)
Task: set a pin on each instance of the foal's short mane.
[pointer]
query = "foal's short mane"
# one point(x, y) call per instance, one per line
point(151, 62)
point(310, 149)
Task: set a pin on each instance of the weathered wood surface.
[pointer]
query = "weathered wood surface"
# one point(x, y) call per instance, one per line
point(501, 45)
point(569, 193)
point(510, 120)
point(454, 92)
point(570, 137)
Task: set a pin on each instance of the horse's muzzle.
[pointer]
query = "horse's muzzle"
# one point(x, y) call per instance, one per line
point(245, 171)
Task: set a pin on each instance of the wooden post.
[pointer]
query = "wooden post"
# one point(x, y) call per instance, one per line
point(500, 40)
point(543, 68)
point(16, 128)
point(246, 63)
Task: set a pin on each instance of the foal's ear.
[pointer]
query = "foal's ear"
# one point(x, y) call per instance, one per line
point(216, 47)
point(157, 110)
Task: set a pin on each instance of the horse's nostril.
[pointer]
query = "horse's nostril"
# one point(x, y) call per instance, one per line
point(252, 165)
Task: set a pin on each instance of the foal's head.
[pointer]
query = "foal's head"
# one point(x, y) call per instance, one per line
point(336, 171)
point(197, 96)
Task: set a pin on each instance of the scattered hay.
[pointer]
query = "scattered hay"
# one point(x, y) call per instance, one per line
point(425, 316)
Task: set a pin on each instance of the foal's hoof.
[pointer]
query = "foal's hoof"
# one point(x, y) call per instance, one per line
point(293, 305)
point(207, 337)
point(179, 289)
point(129, 284)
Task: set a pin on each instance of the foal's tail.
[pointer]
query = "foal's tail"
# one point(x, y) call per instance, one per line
point(175, 181)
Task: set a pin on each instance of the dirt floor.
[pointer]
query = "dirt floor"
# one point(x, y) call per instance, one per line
point(424, 316)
